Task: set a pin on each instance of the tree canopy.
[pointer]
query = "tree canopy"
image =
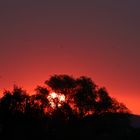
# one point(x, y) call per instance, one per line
point(63, 101)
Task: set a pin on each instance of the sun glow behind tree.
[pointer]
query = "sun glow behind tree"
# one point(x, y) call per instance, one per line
point(56, 99)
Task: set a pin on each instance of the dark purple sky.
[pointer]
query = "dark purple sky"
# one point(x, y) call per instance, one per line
point(97, 38)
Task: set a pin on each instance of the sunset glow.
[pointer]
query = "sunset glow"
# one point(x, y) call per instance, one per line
point(56, 99)
point(53, 95)
point(98, 39)
point(61, 98)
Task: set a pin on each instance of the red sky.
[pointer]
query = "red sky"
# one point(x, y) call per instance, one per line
point(99, 39)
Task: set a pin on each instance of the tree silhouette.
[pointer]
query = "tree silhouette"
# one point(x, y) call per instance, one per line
point(13, 102)
point(105, 102)
point(85, 96)
point(62, 84)
point(87, 111)
point(41, 97)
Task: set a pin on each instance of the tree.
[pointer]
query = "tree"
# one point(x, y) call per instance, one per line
point(41, 97)
point(104, 103)
point(61, 83)
point(37, 103)
point(19, 97)
point(85, 95)
point(119, 107)
point(14, 101)
point(85, 110)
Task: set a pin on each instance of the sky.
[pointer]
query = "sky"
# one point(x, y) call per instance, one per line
point(95, 38)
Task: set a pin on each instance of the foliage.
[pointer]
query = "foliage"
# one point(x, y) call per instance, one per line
point(85, 107)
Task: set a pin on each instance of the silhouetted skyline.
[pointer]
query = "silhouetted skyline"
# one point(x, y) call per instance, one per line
point(86, 112)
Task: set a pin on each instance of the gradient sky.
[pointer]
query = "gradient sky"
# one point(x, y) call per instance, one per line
point(96, 38)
